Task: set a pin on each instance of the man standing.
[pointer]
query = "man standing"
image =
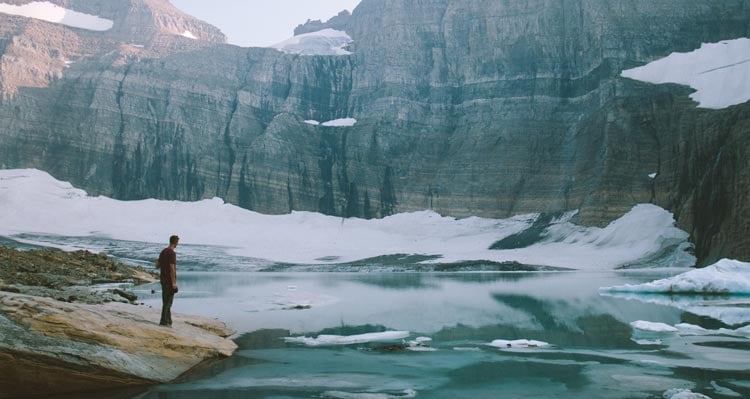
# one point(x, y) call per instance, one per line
point(168, 265)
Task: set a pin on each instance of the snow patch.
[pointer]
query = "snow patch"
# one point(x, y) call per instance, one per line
point(518, 343)
point(719, 72)
point(343, 122)
point(189, 35)
point(723, 277)
point(30, 199)
point(46, 11)
point(323, 42)
point(330, 340)
point(653, 327)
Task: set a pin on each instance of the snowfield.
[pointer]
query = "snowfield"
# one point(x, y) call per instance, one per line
point(322, 42)
point(719, 72)
point(46, 11)
point(32, 201)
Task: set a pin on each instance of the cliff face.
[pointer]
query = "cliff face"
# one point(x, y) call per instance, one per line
point(479, 107)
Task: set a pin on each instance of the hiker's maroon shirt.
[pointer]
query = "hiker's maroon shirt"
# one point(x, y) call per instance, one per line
point(166, 258)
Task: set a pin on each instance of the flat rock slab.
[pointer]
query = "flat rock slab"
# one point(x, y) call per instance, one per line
point(50, 346)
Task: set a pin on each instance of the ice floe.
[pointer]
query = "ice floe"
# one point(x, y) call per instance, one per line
point(420, 344)
point(648, 341)
point(518, 343)
point(724, 277)
point(719, 72)
point(679, 393)
point(30, 199)
point(686, 329)
point(323, 42)
point(652, 326)
point(46, 11)
point(330, 340)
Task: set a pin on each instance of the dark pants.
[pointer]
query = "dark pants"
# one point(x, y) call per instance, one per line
point(167, 295)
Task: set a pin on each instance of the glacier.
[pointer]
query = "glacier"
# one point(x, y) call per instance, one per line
point(32, 201)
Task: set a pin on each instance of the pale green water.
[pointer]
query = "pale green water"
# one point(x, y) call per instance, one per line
point(592, 353)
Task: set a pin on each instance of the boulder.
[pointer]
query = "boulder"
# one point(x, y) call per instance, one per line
point(50, 346)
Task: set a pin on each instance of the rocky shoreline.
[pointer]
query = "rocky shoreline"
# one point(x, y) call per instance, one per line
point(69, 325)
point(79, 276)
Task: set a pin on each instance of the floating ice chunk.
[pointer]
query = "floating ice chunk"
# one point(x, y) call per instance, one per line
point(46, 11)
point(648, 341)
point(518, 343)
point(322, 42)
point(312, 122)
point(651, 326)
point(408, 393)
point(691, 329)
point(343, 122)
point(189, 35)
point(678, 393)
point(329, 340)
point(719, 72)
point(724, 277)
point(420, 344)
point(652, 175)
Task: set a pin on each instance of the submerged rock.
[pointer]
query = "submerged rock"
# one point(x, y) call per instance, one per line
point(50, 346)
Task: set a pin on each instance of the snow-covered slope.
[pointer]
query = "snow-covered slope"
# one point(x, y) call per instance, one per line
point(49, 12)
point(33, 201)
point(323, 42)
point(719, 72)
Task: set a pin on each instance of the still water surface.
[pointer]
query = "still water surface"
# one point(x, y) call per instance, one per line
point(593, 351)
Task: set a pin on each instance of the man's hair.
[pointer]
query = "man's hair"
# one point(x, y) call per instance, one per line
point(174, 239)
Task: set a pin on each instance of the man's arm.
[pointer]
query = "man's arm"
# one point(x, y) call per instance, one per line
point(173, 268)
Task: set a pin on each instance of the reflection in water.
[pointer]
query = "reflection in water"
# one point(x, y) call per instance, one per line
point(593, 350)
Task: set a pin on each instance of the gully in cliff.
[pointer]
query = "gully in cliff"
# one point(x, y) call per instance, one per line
point(167, 263)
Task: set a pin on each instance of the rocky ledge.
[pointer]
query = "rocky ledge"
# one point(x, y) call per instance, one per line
point(61, 346)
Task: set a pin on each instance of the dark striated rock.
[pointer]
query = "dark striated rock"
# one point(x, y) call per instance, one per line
point(479, 107)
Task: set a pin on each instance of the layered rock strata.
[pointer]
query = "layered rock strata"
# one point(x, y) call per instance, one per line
point(478, 107)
